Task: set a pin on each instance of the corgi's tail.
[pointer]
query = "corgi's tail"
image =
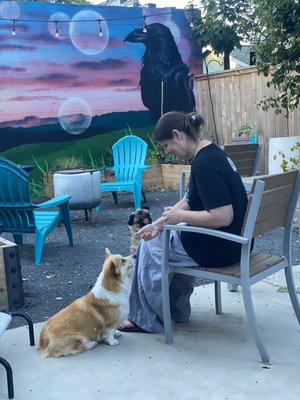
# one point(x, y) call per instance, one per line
point(43, 343)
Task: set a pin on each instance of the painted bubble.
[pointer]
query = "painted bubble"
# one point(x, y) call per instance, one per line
point(75, 115)
point(62, 24)
point(9, 9)
point(86, 34)
point(164, 17)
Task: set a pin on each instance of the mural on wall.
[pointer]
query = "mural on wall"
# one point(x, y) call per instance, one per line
point(69, 73)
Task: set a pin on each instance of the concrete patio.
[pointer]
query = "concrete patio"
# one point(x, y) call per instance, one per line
point(212, 357)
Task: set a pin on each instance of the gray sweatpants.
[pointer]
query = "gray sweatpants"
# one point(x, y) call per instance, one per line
point(145, 296)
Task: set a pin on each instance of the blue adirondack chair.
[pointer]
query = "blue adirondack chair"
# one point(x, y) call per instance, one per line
point(17, 214)
point(129, 154)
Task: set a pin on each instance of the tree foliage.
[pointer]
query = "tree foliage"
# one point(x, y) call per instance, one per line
point(218, 24)
point(277, 48)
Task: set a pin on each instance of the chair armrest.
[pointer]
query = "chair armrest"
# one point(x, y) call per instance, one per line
point(206, 231)
point(144, 167)
point(56, 201)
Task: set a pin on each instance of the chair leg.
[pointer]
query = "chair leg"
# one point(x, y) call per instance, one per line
point(292, 291)
point(115, 197)
point(39, 243)
point(166, 307)
point(137, 195)
point(218, 299)
point(18, 239)
point(29, 322)
point(144, 196)
point(9, 375)
point(251, 317)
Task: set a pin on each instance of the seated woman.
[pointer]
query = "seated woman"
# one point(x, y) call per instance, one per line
point(216, 199)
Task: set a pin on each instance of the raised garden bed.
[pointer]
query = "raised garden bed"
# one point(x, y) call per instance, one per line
point(164, 176)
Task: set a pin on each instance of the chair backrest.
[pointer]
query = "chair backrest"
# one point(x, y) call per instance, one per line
point(244, 156)
point(129, 155)
point(277, 205)
point(16, 209)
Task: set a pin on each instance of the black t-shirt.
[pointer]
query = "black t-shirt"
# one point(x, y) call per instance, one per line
point(215, 183)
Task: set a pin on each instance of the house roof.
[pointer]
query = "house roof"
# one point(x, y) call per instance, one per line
point(242, 54)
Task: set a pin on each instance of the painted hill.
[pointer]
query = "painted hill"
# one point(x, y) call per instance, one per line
point(53, 132)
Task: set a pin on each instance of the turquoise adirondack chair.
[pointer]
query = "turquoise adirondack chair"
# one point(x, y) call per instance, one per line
point(17, 214)
point(129, 154)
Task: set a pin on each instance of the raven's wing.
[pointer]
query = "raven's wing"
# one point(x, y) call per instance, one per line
point(179, 92)
point(151, 92)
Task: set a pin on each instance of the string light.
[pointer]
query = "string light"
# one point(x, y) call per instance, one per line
point(56, 30)
point(57, 35)
point(100, 29)
point(13, 32)
point(191, 16)
point(93, 20)
point(145, 25)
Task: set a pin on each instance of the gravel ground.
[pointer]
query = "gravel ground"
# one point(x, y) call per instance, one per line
point(69, 272)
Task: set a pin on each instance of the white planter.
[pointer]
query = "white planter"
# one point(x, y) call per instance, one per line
point(82, 185)
point(283, 144)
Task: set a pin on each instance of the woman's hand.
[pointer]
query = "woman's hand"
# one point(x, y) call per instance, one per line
point(172, 215)
point(149, 232)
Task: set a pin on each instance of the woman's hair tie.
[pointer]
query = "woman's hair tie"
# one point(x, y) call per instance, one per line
point(193, 117)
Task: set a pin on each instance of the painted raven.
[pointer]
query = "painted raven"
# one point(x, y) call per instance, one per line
point(162, 62)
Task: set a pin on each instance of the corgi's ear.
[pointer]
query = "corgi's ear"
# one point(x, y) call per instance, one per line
point(107, 252)
point(131, 218)
point(114, 269)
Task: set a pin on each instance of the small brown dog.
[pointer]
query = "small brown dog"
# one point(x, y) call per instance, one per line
point(95, 316)
point(139, 218)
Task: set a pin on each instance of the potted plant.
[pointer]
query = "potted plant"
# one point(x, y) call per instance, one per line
point(165, 169)
point(247, 134)
point(70, 175)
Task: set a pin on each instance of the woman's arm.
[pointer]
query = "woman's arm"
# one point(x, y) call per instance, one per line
point(216, 218)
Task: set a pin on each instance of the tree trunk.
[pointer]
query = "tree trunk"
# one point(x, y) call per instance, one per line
point(226, 60)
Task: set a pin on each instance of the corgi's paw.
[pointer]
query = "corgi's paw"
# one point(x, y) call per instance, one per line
point(112, 341)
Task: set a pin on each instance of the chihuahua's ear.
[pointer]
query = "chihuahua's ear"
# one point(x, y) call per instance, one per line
point(131, 218)
point(107, 252)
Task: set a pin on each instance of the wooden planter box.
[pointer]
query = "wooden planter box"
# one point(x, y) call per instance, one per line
point(164, 176)
point(11, 284)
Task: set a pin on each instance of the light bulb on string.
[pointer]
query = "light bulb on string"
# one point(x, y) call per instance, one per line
point(145, 25)
point(13, 32)
point(191, 16)
point(100, 29)
point(56, 30)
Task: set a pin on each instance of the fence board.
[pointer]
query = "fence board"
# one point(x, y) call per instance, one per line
point(235, 95)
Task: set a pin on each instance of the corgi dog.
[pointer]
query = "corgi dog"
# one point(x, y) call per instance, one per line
point(137, 220)
point(94, 317)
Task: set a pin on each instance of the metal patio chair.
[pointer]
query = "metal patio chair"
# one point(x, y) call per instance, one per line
point(272, 204)
point(5, 319)
point(17, 212)
point(129, 154)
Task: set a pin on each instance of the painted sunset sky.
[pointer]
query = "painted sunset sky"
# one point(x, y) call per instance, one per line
point(44, 73)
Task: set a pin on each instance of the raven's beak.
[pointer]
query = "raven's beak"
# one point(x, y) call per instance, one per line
point(136, 36)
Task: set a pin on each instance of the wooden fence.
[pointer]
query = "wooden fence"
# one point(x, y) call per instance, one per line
point(235, 95)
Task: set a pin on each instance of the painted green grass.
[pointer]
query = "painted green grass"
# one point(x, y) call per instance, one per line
point(48, 152)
